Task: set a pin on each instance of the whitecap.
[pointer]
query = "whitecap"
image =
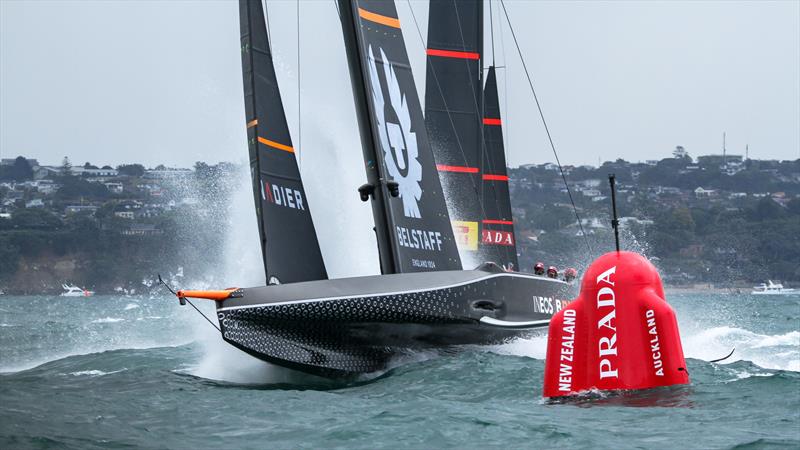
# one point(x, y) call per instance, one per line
point(94, 373)
point(764, 350)
point(108, 320)
point(130, 306)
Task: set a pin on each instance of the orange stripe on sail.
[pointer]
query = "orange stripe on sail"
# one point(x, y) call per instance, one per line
point(461, 169)
point(498, 222)
point(277, 145)
point(377, 18)
point(252, 123)
point(491, 121)
point(495, 177)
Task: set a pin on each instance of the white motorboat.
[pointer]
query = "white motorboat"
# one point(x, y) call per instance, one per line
point(770, 288)
point(75, 291)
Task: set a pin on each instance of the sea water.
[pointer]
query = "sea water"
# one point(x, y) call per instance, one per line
point(111, 371)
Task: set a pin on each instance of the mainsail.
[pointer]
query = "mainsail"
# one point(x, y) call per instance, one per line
point(453, 94)
point(288, 240)
point(412, 222)
point(497, 236)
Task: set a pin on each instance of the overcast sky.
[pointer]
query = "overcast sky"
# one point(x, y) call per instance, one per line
point(160, 81)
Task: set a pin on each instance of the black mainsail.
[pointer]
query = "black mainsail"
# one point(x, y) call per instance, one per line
point(498, 243)
point(412, 222)
point(453, 94)
point(288, 240)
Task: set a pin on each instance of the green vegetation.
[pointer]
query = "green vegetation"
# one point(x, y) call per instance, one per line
point(737, 223)
point(102, 240)
point(705, 222)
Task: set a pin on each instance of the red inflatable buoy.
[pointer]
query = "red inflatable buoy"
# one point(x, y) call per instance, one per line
point(620, 333)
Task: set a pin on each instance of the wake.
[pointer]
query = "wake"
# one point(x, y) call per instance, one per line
point(777, 352)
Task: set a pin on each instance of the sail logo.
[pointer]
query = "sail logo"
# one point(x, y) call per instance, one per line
point(466, 234)
point(493, 237)
point(282, 196)
point(398, 142)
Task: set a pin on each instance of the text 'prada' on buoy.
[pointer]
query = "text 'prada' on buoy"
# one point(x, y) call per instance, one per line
point(620, 333)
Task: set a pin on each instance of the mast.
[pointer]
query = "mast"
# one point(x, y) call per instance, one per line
point(411, 218)
point(376, 186)
point(453, 111)
point(289, 245)
point(724, 152)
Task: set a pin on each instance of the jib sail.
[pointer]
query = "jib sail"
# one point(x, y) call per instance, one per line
point(412, 222)
point(497, 235)
point(288, 240)
point(453, 94)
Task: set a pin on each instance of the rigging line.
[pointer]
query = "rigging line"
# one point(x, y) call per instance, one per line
point(546, 129)
point(478, 191)
point(481, 112)
point(441, 93)
point(449, 115)
point(299, 120)
point(507, 123)
point(266, 16)
point(491, 29)
point(201, 313)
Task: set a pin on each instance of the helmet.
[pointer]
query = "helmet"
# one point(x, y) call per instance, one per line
point(570, 274)
point(538, 269)
point(552, 272)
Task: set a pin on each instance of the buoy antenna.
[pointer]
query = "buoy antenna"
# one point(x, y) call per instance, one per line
point(614, 222)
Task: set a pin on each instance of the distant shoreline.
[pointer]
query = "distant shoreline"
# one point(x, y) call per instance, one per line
point(706, 290)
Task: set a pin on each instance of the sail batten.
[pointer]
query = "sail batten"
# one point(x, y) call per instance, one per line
point(289, 244)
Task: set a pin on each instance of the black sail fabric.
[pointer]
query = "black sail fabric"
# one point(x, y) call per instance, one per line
point(288, 239)
point(453, 95)
point(498, 243)
point(421, 237)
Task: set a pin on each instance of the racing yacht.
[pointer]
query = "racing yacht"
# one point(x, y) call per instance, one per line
point(423, 299)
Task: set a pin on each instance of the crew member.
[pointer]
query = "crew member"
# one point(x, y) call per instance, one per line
point(552, 272)
point(538, 269)
point(570, 274)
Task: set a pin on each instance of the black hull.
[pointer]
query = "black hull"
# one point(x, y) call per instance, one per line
point(346, 327)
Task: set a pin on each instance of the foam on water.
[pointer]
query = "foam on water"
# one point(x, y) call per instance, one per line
point(94, 373)
point(770, 351)
point(344, 229)
point(108, 320)
point(780, 351)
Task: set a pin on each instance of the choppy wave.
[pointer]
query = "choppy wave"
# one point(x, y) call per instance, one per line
point(131, 306)
point(479, 398)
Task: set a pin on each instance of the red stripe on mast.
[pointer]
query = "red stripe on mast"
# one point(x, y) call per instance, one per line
point(490, 121)
point(495, 177)
point(460, 169)
point(498, 222)
point(452, 54)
